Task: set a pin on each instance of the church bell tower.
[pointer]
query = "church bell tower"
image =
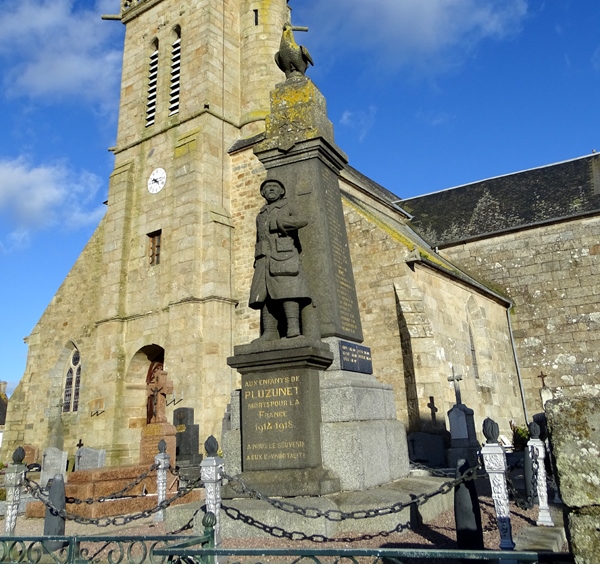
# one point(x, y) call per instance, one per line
point(196, 79)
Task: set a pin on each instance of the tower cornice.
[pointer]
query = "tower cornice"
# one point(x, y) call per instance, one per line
point(130, 9)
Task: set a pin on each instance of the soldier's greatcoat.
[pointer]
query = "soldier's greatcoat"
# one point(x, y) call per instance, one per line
point(277, 263)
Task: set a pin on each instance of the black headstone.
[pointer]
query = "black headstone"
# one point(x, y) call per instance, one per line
point(188, 436)
point(54, 524)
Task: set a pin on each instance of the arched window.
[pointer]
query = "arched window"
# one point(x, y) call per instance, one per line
point(175, 71)
point(152, 84)
point(72, 380)
point(473, 353)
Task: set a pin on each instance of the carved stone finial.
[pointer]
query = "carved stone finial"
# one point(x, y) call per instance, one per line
point(209, 519)
point(534, 430)
point(19, 455)
point(211, 446)
point(162, 446)
point(491, 431)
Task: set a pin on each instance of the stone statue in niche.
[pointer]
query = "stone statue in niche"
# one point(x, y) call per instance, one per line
point(279, 288)
point(157, 388)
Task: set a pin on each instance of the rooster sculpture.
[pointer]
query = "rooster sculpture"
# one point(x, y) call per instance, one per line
point(292, 59)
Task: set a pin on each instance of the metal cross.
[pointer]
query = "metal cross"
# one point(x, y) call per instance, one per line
point(433, 408)
point(79, 444)
point(456, 378)
point(543, 376)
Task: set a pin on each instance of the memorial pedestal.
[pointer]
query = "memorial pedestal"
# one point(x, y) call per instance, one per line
point(346, 421)
point(281, 414)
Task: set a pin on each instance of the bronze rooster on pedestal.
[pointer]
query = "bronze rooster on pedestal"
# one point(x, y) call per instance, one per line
point(292, 59)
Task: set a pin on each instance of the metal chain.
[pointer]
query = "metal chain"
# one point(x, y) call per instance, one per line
point(433, 471)
point(114, 495)
point(189, 525)
point(36, 491)
point(336, 515)
point(278, 532)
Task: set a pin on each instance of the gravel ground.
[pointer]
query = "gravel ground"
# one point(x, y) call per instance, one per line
point(439, 533)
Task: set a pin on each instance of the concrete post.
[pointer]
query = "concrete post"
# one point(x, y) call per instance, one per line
point(538, 451)
point(162, 459)
point(494, 461)
point(13, 480)
point(211, 469)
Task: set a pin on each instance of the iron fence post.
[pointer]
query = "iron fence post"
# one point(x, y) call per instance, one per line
point(13, 481)
point(162, 460)
point(544, 518)
point(494, 461)
point(211, 469)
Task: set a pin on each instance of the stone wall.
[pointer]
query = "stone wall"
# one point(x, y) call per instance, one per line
point(574, 425)
point(551, 274)
point(416, 319)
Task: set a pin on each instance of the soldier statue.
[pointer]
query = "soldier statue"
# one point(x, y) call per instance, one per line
point(279, 288)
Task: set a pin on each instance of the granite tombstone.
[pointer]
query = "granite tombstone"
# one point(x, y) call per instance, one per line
point(54, 461)
point(87, 458)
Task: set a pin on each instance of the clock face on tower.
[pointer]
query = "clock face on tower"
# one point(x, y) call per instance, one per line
point(156, 181)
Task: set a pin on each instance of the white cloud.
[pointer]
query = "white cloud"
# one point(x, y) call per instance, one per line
point(425, 33)
point(34, 198)
point(55, 48)
point(361, 121)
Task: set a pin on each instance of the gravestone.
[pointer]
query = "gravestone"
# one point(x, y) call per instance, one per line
point(188, 436)
point(427, 449)
point(87, 458)
point(463, 437)
point(32, 454)
point(54, 461)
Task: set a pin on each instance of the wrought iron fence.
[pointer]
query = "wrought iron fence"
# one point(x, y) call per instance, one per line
point(100, 548)
point(191, 553)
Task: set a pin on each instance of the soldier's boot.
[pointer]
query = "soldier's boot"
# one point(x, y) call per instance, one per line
point(268, 324)
point(292, 316)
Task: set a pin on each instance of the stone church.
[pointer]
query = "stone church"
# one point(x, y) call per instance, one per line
point(498, 288)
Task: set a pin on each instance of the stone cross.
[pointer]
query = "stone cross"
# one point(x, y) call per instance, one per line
point(456, 378)
point(433, 408)
point(156, 394)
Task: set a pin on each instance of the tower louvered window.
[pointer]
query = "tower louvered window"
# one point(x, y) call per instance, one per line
point(72, 381)
point(152, 87)
point(175, 76)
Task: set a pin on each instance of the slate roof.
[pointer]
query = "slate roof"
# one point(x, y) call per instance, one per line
point(514, 201)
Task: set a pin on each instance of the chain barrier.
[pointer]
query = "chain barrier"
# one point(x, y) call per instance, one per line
point(189, 525)
point(278, 532)
point(521, 501)
point(114, 495)
point(37, 492)
point(433, 471)
point(337, 515)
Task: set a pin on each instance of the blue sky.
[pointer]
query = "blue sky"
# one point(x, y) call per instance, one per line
point(424, 95)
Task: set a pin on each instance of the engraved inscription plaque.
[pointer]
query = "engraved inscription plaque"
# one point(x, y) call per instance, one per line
point(355, 358)
point(280, 422)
